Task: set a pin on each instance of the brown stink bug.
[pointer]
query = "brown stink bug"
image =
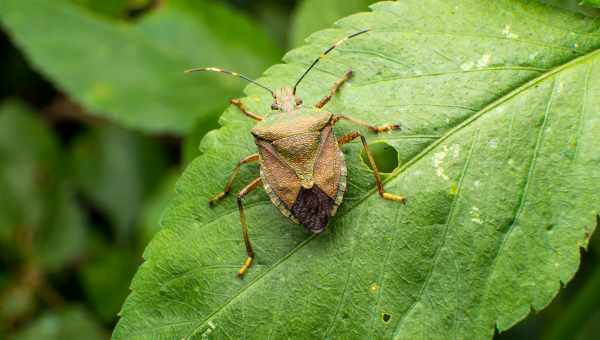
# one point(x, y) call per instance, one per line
point(302, 168)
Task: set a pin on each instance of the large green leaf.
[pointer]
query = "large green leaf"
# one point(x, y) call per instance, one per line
point(499, 100)
point(133, 73)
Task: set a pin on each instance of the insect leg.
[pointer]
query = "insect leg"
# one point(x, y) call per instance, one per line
point(242, 108)
point(234, 173)
point(248, 263)
point(336, 86)
point(350, 137)
point(382, 128)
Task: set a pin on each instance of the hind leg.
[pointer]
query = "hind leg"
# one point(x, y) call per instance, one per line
point(249, 251)
point(252, 158)
point(385, 195)
point(374, 128)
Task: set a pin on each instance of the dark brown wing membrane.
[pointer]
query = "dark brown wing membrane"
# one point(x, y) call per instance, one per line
point(313, 209)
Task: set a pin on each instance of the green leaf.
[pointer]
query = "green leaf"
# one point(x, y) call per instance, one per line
point(593, 3)
point(109, 8)
point(115, 169)
point(133, 74)
point(313, 15)
point(18, 301)
point(117, 9)
point(37, 202)
point(70, 324)
point(499, 156)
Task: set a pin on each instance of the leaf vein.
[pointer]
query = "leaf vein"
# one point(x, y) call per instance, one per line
point(523, 199)
point(444, 236)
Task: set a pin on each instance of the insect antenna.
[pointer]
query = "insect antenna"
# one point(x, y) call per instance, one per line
point(324, 54)
point(235, 74)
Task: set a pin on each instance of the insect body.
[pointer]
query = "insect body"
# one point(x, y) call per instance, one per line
point(302, 168)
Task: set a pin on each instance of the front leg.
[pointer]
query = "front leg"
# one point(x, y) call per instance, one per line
point(336, 86)
point(382, 128)
point(385, 195)
point(245, 111)
point(252, 158)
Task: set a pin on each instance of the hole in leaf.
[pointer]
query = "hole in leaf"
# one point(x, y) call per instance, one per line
point(385, 156)
point(386, 317)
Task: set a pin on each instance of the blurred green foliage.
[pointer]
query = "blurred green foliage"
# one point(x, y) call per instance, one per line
point(97, 121)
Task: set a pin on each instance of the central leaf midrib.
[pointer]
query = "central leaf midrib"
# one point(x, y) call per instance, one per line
point(407, 165)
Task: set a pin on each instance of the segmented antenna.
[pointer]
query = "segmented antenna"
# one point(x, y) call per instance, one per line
point(235, 74)
point(325, 53)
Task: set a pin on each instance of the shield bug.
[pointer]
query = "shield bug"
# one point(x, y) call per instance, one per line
point(302, 168)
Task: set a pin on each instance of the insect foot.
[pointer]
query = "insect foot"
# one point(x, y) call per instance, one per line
point(216, 198)
point(392, 197)
point(387, 127)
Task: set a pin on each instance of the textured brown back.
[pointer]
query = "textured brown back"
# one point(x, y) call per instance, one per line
point(278, 175)
point(328, 164)
point(299, 152)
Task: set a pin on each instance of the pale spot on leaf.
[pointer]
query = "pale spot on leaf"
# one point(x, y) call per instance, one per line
point(507, 32)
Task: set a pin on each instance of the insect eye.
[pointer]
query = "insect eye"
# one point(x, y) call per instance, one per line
point(274, 106)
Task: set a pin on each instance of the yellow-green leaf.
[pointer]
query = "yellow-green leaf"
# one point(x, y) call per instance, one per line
point(500, 103)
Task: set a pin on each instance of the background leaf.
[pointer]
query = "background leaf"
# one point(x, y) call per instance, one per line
point(39, 219)
point(105, 278)
point(87, 55)
point(314, 15)
point(594, 3)
point(115, 169)
point(69, 324)
point(498, 157)
point(153, 208)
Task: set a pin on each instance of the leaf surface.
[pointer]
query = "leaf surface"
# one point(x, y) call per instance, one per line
point(500, 103)
point(133, 73)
